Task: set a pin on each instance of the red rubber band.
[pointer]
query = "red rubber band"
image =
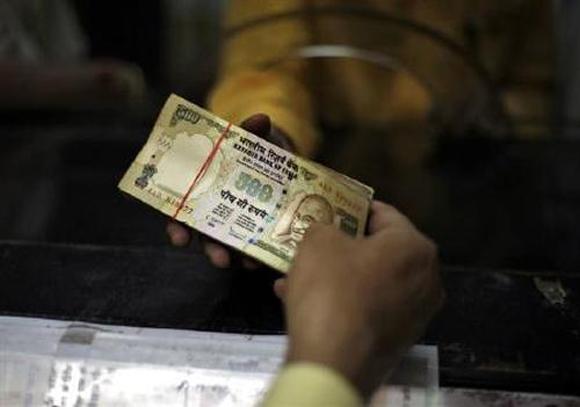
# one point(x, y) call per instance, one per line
point(203, 169)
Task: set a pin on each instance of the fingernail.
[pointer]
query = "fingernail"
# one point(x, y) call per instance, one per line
point(218, 255)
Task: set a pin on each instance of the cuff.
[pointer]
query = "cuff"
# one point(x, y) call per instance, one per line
point(309, 384)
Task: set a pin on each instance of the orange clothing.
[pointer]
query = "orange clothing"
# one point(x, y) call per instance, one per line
point(258, 73)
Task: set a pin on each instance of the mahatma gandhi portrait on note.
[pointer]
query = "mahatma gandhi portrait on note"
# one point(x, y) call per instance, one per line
point(302, 211)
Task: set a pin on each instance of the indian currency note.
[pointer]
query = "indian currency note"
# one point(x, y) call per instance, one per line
point(238, 188)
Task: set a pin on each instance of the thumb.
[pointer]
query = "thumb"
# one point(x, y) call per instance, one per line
point(281, 289)
point(259, 124)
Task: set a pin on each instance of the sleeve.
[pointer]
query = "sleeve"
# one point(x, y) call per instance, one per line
point(256, 75)
point(307, 384)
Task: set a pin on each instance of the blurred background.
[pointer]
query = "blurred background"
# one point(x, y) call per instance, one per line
point(465, 114)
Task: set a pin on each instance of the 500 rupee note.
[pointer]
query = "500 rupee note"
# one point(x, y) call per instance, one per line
point(238, 188)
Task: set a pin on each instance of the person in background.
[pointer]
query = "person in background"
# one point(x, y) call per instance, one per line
point(298, 94)
point(512, 39)
point(44, 62)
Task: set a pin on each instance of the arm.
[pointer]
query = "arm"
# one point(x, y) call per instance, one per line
point(246, 86)
point(353, 307)
point(249, 84)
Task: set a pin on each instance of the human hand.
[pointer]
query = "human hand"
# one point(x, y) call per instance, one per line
point(180, 235)
point(356, 305)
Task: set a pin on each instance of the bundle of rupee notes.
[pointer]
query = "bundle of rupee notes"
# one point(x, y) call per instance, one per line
point(239, 189)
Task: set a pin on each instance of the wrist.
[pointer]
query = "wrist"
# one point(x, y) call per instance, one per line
point(357, 361)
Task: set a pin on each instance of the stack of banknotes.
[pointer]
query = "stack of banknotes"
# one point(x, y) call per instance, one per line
point(238, 188)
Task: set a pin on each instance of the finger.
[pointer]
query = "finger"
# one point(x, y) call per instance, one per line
point(259, 124)
point(217, 254)
point(322, 232)
point(250, 264)
point(178, 234)
point(384, 216)
point(281, 288)
point(278, 137)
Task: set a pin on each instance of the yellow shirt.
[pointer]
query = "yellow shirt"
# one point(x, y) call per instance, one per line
point(257, 75)
point(309, 384)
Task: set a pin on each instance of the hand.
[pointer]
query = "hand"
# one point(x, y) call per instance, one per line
point(357, 305)
point(218, 254)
